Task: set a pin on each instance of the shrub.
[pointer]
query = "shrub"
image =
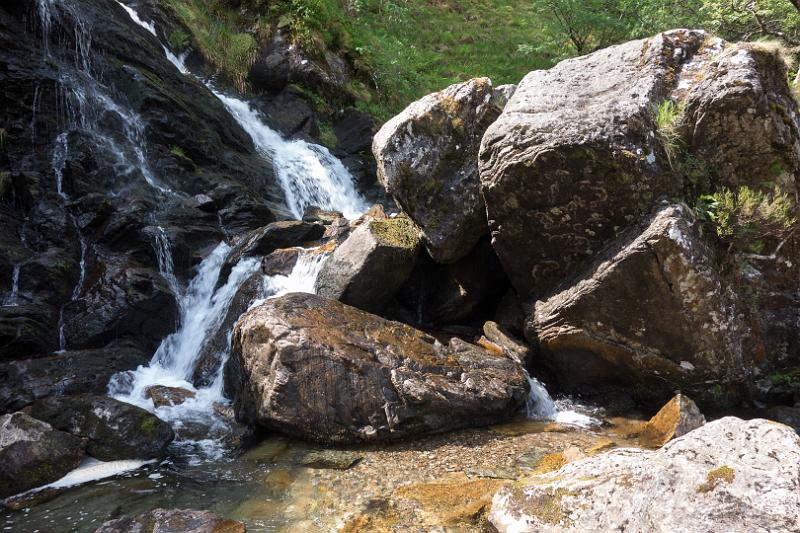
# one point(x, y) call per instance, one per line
point(746, 218)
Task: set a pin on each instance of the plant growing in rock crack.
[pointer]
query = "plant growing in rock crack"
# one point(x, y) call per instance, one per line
point(746, 218)
point(667, 118)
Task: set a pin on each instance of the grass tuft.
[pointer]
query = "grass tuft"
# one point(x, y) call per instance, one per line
point(667, 119)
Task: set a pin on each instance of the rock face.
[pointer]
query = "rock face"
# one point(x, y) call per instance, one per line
point(114, 429)
point(173, 521)
point(651, 316)
point(319, 369)
point(427, 160)
point(729, 475)
point(677, 418)
point(368, 268)
point(33, 453)
point(71, 372)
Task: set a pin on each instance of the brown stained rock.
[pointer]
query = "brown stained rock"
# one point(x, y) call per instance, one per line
point(280, 262)
point(451, 501)
point(679, 416)
point(167, 396)
point(321, 370)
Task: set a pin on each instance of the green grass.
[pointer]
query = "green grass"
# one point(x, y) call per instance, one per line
point(218, 33)
point(667, 119)
point(177, 151)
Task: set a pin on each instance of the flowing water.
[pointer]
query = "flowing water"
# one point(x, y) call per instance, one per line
point(541, 406)
point(269, 488)
point(11, 298)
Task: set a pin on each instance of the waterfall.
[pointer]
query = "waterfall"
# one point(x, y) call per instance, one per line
point(11, 299)
point(309, 174)
point(301, 278)
point(541, 406)
point(163, 249)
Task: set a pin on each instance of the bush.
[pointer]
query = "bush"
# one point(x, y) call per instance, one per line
point(746, 218)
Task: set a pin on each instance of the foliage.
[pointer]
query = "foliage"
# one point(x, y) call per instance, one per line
point(177, 151)
point(326, 134)
point(215, 33)
point(745, 218)
point(667, 118)
point(179, 40)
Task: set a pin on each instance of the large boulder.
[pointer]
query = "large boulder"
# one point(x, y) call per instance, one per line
point(33, 453)
point(368, 268)
point(573, 158)
point(729, 475)
point(114, 429)
point(173, 521)
point(427, 160)
point(651, 316)
point(318, 369)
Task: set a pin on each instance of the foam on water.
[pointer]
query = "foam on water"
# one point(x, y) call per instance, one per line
point(541, 406)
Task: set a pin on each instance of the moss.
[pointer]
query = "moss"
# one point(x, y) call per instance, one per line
point(400, 232)
point(148, 425)
point(549, 507)
point(327, 135)
point(723, 474)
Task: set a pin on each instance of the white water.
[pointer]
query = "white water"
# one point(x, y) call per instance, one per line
point(92, 469)
point(11, 298)
point(300, 279)
point(541, 406)
point(308, 173)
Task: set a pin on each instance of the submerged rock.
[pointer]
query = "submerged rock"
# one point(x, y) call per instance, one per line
point(678, 417)
point(427, 160)
point(368, 268)
point(114, 429)
point(651, 316)
point(321, 370)
point(728, 475)
point(173, 521)
point(167, 396)
point(33, 454)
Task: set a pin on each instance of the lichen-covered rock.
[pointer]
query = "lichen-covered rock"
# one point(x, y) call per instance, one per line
point(318, 369)
point(427, 160)
point(651, 316)
point(677, 418)
point(368, 268)
point(32, 453)
point(574, 159)
point(728, 475)
point(173, 521)
point(114, 429)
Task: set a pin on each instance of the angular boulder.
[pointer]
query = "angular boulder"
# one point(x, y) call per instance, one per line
point(728, 475)
point(368, 268)
point(427, 160)
point(33, 453)
point(114, 429)
point(321, 370)
point(651, 316)
point(677, 418)
point(173, 521)
point(574, 158)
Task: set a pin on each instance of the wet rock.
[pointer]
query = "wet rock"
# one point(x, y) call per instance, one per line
point(338, 230)
point(573, 159)
point(280, 262)
point(698, 482)
point(445, 294)
point(427, 160)
point(71, 372)
point(678, 417)
point(167, 396)
point(330, 459)
point(114, 429)
point(651, 316)
point(281, 234)
point(173, 521)
point(318, 369)
point(33, 453)
point(290, 114)
point(313, 213)
point(26, 330)
point(368, 268)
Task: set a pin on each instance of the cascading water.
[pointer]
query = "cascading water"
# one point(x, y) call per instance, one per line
point(541, 406)
point(11, 299)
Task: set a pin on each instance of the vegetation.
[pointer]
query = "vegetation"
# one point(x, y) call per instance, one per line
point(723, 474)
point(667, 119)
point(746, 218)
